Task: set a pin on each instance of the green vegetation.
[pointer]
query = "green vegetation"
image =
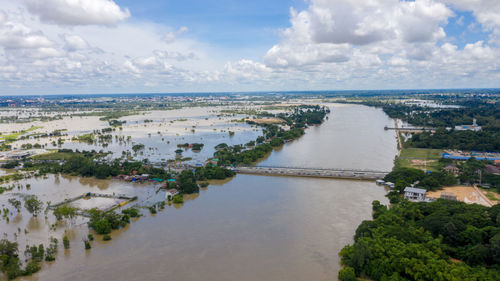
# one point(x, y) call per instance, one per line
point(88, 138)
point(421, 153)
point(403, 177)
point(420, 158)
point(462, 140)
point(33, 205)
point(178, 199)
point(104, 222)
point(480, 108)
point(51, 251)
point(301, 116)
point(65, 211)
point(84, 164)
point(132, 212)
point(65, 154)
point(416, 241)
point(14, 135)
point(109, 116)
point(187, 182)
point(11, 164)
point(212, 173)
point(87, 244)
point(11, 265)
point(137, 147)
point(65, 242)
point(197, 146)
point(116, 123)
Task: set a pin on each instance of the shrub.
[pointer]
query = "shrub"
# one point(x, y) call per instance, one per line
point(347, 274)
point(87, 244)
point(66, 242)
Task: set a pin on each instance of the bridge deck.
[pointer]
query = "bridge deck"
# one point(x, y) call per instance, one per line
point(313, 172)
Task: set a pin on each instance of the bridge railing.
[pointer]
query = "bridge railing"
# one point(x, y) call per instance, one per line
point(312, 168)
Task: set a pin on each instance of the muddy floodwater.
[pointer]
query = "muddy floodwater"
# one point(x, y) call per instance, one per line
point(252, 227)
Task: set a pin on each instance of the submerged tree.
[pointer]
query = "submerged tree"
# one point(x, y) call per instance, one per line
point(33, 205)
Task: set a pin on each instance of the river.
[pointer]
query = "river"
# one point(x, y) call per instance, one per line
point(253, 227)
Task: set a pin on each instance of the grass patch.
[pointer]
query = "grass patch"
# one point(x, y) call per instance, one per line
point(420, 158)
point(53, 156)
point(13, 136)
point(422, 153)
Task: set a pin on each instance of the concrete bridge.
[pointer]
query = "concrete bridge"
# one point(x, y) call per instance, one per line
point(312, 172)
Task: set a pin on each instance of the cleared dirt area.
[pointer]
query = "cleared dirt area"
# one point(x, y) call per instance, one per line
point(467, 194)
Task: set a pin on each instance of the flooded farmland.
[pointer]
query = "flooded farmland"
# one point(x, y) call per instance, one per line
point(246, 228)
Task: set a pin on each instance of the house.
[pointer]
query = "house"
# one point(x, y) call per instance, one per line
point(493, 169)
point(170, 194)
point(212, 162)
point(452, 169)
point(414, 194)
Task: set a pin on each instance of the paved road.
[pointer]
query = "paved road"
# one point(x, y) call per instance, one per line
point(312, 172)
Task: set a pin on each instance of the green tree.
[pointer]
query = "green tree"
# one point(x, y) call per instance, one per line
point(33, 205)
point(347, 274)
point(65, 211)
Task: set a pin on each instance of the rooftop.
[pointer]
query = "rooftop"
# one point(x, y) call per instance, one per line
point(415, 190)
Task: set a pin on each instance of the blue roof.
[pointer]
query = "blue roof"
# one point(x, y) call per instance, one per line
point(446, 155)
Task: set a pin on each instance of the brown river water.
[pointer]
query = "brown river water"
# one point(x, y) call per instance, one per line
point(251, 227)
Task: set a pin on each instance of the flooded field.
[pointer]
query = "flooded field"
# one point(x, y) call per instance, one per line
point(246, 228)
point(159, 131)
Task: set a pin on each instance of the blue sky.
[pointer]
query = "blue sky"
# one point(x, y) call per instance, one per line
point(226, 24)
point(465, 29)
point(114, 46)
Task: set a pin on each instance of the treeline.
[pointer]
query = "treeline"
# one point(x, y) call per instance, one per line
point(275, 135)
point(442, 240)
point(403, 177)
point(305, 115)
point(11, 264)
point(187, 179)
point(463, 140)
point(486, 113)
point(83, 164)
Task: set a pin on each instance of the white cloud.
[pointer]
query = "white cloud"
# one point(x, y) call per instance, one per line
point(246, 70)
point(77, 12)
point(383, 43)
point(170, 37)
point(330, 44)
point(74, 42)
point(14, 35)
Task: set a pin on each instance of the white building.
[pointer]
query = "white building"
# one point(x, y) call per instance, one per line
point(414, 194)
point(473, 127)
point(169, 195)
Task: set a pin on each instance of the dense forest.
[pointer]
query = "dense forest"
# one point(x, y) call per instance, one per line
point(486, 113)
point(484, 140)
point(442, 240)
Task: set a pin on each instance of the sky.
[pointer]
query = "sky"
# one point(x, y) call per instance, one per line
point(154, 46)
